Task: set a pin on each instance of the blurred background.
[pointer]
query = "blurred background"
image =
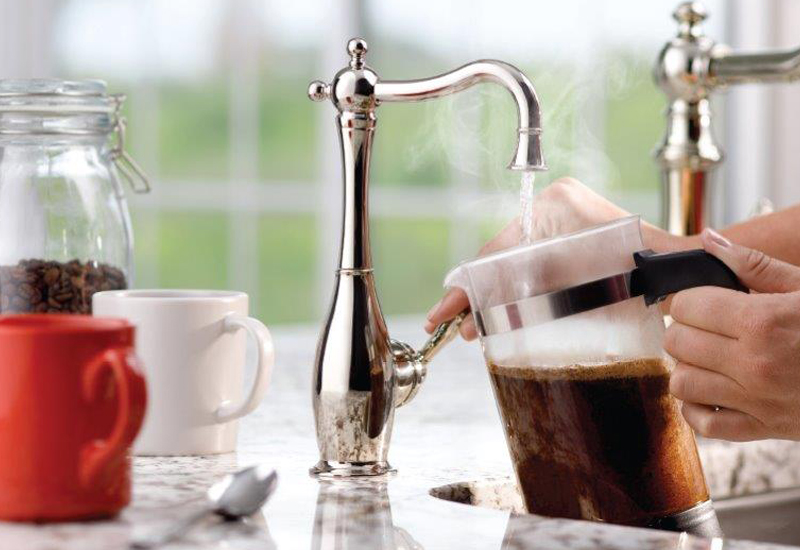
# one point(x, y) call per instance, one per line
point(245, 169)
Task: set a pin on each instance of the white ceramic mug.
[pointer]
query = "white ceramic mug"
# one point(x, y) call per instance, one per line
point(193, 353)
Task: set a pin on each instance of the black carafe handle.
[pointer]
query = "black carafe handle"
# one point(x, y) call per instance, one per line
point(658, 275)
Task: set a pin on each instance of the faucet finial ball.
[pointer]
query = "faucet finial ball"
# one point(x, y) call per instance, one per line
point(690, 12)
point(357, 48)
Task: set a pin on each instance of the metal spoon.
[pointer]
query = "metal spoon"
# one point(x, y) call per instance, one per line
point(235, 496)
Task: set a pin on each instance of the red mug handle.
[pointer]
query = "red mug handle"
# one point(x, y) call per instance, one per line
point(96, 455)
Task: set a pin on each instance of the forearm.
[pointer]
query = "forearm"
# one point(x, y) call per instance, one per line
point(777, 235)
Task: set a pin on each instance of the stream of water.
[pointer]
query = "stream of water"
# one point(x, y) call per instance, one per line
point(526, 207)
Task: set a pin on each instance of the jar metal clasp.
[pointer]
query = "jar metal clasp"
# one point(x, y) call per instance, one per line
point(128, 168)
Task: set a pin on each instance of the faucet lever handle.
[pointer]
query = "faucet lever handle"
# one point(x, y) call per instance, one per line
point(411, 366)
point(443, 334)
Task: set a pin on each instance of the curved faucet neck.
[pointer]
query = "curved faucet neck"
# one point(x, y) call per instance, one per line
point(357, 90)
point(528, 155)
point(464, 77)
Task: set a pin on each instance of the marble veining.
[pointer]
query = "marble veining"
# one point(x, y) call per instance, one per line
point(449, 434)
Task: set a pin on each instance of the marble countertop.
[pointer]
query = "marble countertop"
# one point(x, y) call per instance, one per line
point(449, 433)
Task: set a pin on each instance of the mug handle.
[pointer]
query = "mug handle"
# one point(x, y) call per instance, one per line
point(266, 359)
point(132, 398)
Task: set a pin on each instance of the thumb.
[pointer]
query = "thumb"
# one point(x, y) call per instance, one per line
point(755, 270)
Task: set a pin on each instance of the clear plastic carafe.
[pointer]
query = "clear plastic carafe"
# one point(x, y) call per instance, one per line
point(592, 430)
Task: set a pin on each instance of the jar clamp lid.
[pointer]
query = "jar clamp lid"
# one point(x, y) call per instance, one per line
point(50, 107)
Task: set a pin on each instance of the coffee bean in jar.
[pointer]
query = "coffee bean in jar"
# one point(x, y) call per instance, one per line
point(43, 286)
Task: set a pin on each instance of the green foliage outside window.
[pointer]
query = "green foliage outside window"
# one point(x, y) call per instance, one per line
point(414, 146)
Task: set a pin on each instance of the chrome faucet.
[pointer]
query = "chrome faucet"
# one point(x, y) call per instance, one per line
point(361, 375)
point(689, 68)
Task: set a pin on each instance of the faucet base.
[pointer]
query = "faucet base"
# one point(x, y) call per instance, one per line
point(332, 469)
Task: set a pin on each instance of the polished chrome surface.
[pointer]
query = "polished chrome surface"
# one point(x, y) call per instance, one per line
point(700, 520)
point(235, 496)
point(550, 306)
point(412, 365)
point(686, 157)
point(688, 153)
point(779, 66)
point(361, 375)
point(689, 69)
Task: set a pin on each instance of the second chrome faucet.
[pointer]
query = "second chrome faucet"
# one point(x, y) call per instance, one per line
point(689, 69)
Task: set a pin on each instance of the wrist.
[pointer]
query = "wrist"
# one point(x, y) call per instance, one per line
point(661, 241)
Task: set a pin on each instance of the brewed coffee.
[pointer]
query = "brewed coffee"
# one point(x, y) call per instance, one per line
point(599, 441)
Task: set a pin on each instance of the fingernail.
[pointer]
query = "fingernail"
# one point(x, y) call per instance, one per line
point(717, 238)
point(432, 310)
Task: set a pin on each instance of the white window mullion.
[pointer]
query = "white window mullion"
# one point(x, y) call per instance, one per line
point(245, 27)
point(145, 109)
point(145, 100)
point(26, 46)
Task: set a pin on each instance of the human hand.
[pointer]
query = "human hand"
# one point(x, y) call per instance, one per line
point(738, 371)
point(564, 206)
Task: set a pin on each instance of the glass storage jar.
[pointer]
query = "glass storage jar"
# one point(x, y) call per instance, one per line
point(65, 231)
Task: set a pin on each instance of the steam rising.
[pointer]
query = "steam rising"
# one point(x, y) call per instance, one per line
point(473, 132)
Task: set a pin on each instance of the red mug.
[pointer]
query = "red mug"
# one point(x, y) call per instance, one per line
point(72, 400)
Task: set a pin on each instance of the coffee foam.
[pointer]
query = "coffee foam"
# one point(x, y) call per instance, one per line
point(635, 368)
point(624, 331)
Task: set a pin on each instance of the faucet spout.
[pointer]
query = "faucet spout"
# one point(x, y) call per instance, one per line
point(776, 66)
point(528, 155)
